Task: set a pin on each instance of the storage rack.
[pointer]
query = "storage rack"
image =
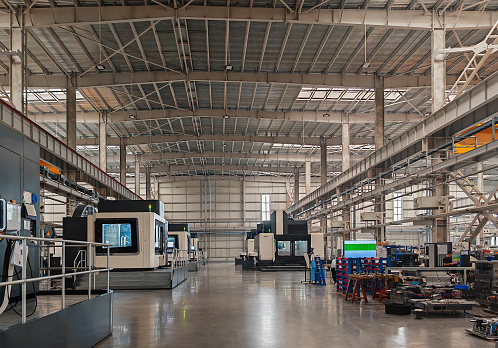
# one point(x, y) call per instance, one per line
point(374, 265)
point(344, 267)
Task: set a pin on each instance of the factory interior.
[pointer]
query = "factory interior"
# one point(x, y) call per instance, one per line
point(284, 173)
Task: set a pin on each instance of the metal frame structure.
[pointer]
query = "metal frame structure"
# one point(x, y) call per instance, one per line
point(469, 109)
point(296, 70)
point(56, 243)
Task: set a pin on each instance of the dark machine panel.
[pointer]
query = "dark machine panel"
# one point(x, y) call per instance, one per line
point(74, 228)
point(298, 227)
point(124, 206)
point(290, 249)
point(178, 227)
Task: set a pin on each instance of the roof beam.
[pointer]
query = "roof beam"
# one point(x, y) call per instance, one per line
point(148, 77)
point(403, 19)
point(184, 168)
point(164, 156)
point(145, 115)
point(159, 139)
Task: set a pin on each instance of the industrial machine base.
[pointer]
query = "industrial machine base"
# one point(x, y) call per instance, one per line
point(194, 266)
point(80, 325)
point(137, 280)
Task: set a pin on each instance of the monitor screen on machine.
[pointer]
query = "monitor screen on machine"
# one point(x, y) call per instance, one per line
point(119, 235)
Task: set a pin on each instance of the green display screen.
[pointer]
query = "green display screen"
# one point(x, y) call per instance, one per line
point(360, 248)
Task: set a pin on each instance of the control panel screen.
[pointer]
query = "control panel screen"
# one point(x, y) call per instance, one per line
point(119, 235)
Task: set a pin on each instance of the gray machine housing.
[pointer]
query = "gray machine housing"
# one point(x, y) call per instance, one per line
point(21, 162)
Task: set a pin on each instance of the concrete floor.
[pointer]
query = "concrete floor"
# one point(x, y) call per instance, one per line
point(222, 306)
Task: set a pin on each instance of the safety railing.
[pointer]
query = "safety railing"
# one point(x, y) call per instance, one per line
point(44, 243)
point(179, 259)
point(79, 261)
point(201, 255)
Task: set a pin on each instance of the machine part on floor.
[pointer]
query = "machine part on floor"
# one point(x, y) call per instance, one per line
point(404, 293)
point(484, 328)
point(443, 305)
point(419, 313)
point(492, 304)
point(398, 308)
point(138, 239)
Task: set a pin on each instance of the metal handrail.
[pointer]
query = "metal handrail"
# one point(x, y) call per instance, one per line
point(81, 262)
point(180, 259)
point(57, 243)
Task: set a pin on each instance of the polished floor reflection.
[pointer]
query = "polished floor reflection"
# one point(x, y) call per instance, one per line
point(222, 306)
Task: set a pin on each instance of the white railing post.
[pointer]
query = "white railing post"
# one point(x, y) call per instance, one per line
point(24, 288)
point(63, 274)
point(108, 272)
point(89, 258)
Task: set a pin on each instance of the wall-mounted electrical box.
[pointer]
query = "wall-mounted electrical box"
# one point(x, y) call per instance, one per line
point(13, 217)
point(337, 224)
point(371, 216)
point(432, 202)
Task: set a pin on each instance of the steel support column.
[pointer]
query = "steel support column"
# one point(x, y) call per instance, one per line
point(379, 202)
point(346, 149)
point(148, 190)
point(346, 163)
point(103, 144)
point(16, 77)
point(323, 161)
point(296, 184)
point(440, 227)
point(438, 69)
point(480, 187)
point(137, 175)
point(379, 113)
point(122, 162)
point(308, 176)
point(323, 177)
point(71, 114)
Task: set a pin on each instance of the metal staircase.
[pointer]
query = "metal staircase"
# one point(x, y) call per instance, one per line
point(480, 200)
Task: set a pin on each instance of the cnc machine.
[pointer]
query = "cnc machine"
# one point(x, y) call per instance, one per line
point(138, 239)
